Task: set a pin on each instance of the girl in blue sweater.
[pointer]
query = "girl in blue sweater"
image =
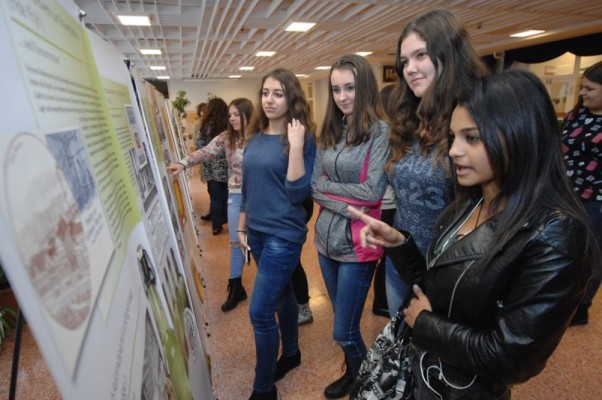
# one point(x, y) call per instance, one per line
point(277, 166)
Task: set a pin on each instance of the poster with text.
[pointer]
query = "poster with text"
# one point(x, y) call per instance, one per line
point(85, 237)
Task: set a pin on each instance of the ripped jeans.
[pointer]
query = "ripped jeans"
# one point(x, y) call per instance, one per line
point(237, 260)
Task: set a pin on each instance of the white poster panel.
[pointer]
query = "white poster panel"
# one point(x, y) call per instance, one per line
point(98, 286)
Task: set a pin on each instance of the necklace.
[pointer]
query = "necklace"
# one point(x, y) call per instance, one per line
point(478, 216)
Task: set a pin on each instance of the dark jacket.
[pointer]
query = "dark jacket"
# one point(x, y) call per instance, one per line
point(506, 317)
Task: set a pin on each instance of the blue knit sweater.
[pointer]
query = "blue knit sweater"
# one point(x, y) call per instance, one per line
point(273, 204)
point(422, 191)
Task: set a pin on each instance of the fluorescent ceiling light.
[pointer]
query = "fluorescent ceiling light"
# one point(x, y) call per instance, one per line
point(363, 53)
point(527, 33)
point(135, 20)
point(322, 67)
point(301, 75)
point(163, 77)
point(300, 26)
point(265, 53)
point(246, 68)
point(158, 67)
point(235, 76)
point(151, 51)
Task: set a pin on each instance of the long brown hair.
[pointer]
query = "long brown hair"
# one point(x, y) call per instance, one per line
point(457, 67)
point(215, 120)
point(366, 104)
point(245, 109)
point(298, 107)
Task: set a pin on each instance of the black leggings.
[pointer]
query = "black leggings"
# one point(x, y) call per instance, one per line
point(299, 279)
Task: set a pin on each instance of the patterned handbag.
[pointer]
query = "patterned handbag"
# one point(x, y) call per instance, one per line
point(386, 371)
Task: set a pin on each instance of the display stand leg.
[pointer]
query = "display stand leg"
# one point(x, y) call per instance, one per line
point(16, 353)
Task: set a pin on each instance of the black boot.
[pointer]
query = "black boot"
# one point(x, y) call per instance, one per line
point(286, 364)
point(271, 395)
point(341, 387)
point(236, 294)
point(581, 316)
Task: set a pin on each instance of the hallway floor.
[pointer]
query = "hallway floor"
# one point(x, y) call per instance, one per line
point(573, 372)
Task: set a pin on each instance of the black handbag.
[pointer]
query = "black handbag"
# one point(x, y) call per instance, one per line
point(386, 372)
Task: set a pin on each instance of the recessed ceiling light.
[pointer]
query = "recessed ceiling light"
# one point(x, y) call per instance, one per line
point(301, 75)
point(158, 67)
point(235, 76)
point(323, 67)
point(527, 33)
point(163, 77)
point(135, 20)
point(363, 53)
point(246, 68)
point(300, 26)
point(265, 53)
point(151, 51)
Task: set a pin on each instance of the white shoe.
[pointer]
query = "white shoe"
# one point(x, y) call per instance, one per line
point(304, 314)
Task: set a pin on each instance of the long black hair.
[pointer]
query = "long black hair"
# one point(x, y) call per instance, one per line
point(519, 130)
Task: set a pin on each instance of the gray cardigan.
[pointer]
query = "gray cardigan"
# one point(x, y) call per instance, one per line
point(337, 171)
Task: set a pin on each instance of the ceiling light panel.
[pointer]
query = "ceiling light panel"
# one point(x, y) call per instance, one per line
point(134, 20)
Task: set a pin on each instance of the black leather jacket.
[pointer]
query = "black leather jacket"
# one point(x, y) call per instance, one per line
point(503, 320)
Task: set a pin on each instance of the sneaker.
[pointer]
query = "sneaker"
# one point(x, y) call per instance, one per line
point(304, 314)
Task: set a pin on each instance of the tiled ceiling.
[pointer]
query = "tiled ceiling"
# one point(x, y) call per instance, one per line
point(212, 39)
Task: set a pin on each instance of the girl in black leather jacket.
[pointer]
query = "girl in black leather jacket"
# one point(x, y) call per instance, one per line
point(513, 255)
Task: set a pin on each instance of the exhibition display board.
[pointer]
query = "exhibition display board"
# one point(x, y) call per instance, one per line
point(96, 239)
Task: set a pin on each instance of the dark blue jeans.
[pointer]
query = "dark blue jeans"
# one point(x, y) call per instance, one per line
point(348, 284)
point(218, 202)
point(276, 260)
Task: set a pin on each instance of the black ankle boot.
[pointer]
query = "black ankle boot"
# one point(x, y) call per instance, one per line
point(286, 364)
point(236, 294)
point(341, 387)
point(581, 316)
point(271, 395)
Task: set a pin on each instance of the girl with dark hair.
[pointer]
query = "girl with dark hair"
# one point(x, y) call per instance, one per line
point(353, 143)
point(215, 170)
point(581, 136)
point(513, 255)
point(435, 61)
point(230, 143)
point(277, 166)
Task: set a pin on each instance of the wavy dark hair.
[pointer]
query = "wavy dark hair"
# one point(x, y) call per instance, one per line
point(520, 133)
point(298, 107)
point(366, 104)
point(245, 109)
point(457, 66)
point(215, 120)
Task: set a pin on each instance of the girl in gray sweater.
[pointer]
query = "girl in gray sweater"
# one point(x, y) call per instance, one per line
point(349, 169)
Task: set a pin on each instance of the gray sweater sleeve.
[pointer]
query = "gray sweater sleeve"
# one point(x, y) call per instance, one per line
point(371, 190)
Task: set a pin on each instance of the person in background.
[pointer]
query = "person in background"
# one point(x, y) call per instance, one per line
point(201, 109)
point(277, 166)
point(581, 137)
point(353, 135)
point(299, 278)
point(435, 61)
point(512, 258)
point(215, 170)
point(230, 143)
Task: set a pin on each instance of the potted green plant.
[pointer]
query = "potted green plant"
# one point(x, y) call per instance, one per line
point(180, 103)
point(8, 314)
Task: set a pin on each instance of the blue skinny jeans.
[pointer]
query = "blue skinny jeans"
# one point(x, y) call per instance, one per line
point(348, 284)
point(276, 260)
